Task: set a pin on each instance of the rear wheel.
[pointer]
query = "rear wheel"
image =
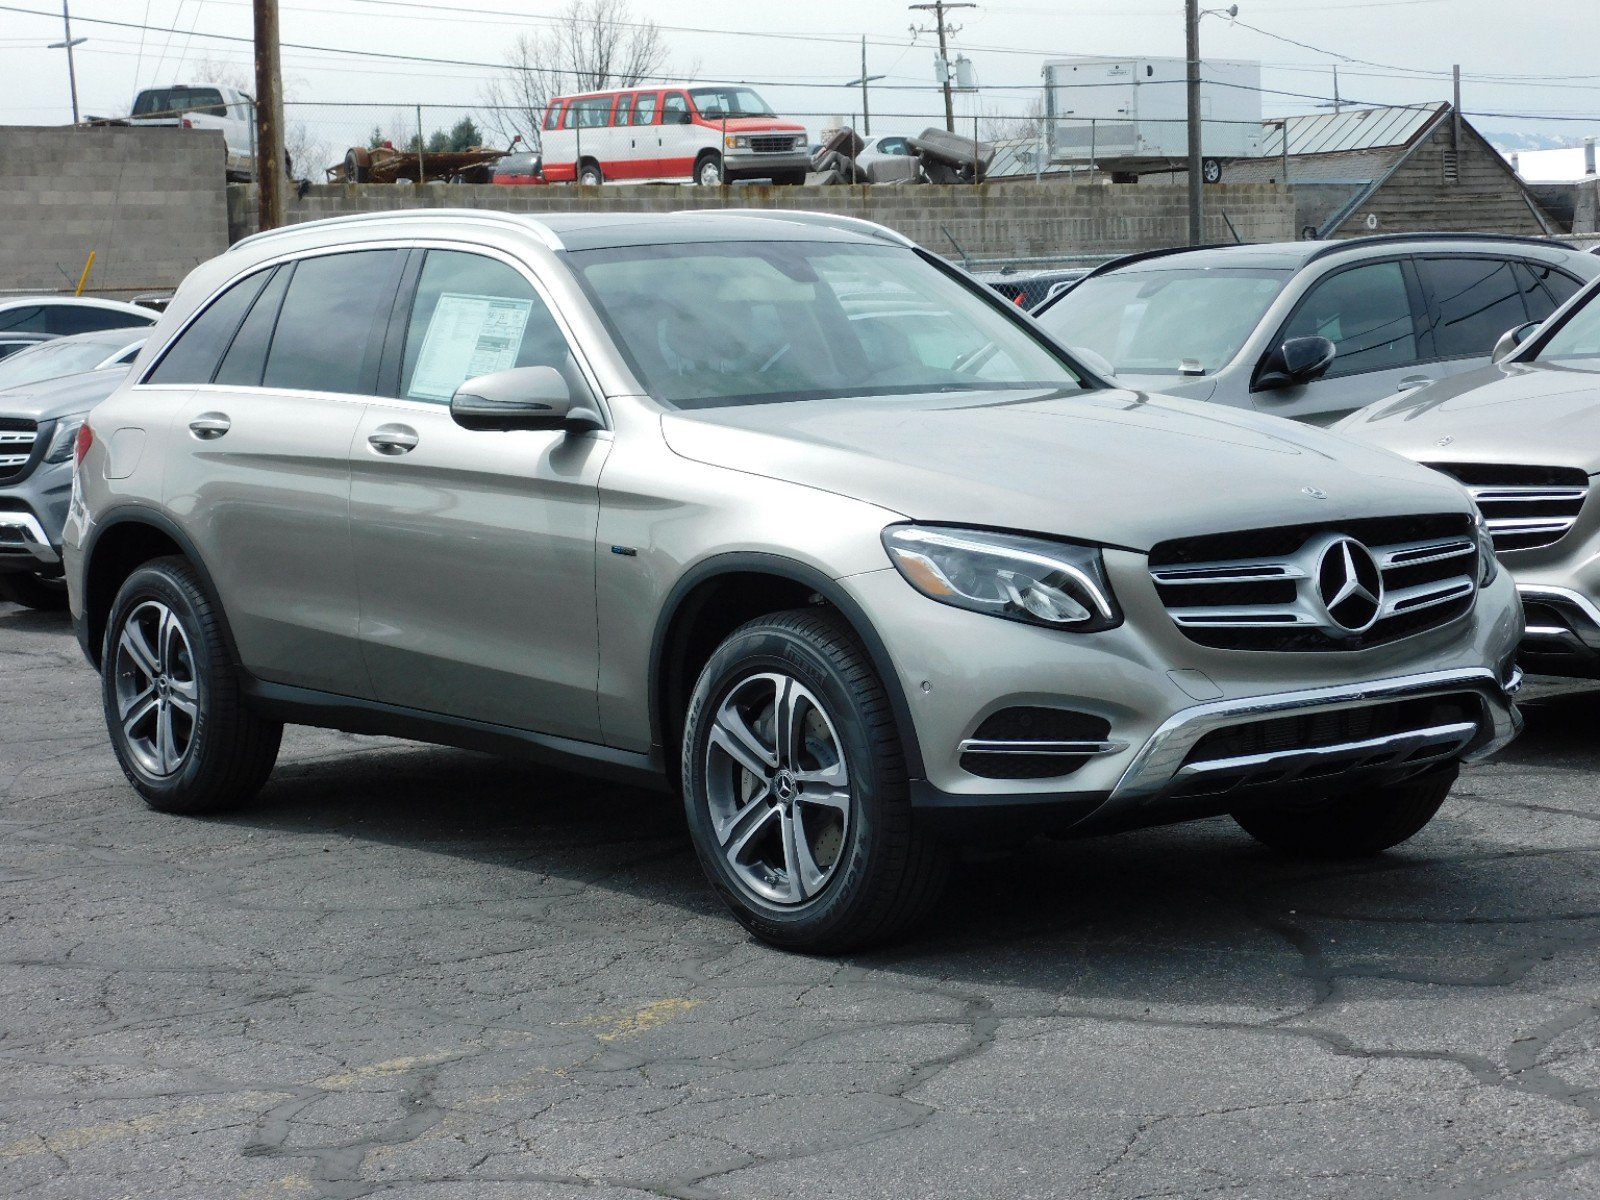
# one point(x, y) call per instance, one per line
point(590, 175)
point(358, 165)
point(708, 170)
point(796, 792)
point(1351, 824)
point(33, 591)
point(171, 697)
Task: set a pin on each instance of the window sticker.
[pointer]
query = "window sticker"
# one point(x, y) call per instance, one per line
point(468, 336)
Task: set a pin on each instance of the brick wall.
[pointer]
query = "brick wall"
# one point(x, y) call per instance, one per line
point(993, 221)
point(149, 202)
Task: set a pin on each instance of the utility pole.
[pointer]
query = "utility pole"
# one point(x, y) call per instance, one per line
point(938, 8)
point(270, 167)
point(1196, 214)
point(1338, 104)
point(68, 44)
point(866, 115)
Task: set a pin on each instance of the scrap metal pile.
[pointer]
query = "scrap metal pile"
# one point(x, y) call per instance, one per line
point(939, 157)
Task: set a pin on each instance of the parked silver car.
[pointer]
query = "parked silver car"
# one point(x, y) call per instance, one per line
point(1312, 330)
point(1524, 436)
point(777, 510)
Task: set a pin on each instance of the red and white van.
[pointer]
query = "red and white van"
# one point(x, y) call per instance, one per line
point(708, 134)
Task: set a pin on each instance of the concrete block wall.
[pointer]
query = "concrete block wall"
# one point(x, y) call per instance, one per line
point(1009, 220)
point(151, 204)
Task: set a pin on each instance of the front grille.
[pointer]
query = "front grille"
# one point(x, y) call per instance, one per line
point(16, 446)
point(1526, 507)
point(1270, 589)
point(772, 145)
point(1027, 742)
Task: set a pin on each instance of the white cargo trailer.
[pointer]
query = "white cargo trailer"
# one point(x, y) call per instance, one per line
point(1131, 115)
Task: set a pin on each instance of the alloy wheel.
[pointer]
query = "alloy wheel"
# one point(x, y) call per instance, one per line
point(778, 788)
point(157, 692)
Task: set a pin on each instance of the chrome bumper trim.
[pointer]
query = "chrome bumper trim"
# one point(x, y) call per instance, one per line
point(1160, 763)
point(1396, 749)
point(1579, 611)
point(1083, 749)
point(34, 542)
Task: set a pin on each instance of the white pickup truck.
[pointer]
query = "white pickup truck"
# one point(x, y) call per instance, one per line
point(204, 106)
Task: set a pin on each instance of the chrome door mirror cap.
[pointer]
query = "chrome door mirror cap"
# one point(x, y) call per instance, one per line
point(521, 398)
point(1511, 340)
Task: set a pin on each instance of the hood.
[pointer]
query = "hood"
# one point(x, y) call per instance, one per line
point(1190, 387)
point(1542, 414)
point(1117, 467)
point(48, 399)
point(755, 125)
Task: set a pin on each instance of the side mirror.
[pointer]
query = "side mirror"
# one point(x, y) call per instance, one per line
point(521, 398)
point(1511, 339)
point(1298, 360)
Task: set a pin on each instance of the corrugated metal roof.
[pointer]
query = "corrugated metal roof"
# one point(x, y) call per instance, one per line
point(1356, 129)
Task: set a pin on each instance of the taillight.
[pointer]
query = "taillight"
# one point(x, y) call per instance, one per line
point(85, 439)
point(186, 123)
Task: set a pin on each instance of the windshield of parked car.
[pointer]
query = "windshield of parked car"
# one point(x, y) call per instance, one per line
point(721, 323)
point(49, 360)
point(1578, 339)
point(729, 102)
point(1165, 322)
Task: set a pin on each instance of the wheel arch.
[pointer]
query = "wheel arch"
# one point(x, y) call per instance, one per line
point(749, 584)
point(121, 542)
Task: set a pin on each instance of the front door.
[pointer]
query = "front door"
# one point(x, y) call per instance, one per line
point(475, 550)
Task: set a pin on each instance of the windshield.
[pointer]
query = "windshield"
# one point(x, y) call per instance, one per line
point(729, 102)
point(722, 323)
point(51, 359)
point(1165, 322)
point(1577, 339)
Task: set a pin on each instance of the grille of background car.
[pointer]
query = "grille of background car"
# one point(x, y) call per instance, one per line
point(16, 446)
point(1526, 507)
point(772, 145)
point(1422, 550)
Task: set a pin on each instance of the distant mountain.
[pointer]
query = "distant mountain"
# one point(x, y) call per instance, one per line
point(1507, 141)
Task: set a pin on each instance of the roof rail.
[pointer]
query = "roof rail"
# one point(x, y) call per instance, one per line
point(490, 216)
point(1127, 260)
point(808, 217)
point(1335, 245)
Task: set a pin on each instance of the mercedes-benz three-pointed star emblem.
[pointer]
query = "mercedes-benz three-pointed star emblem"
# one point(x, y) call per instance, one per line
point(1350, 585)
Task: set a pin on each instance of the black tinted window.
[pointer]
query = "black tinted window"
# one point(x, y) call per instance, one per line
point(71, 318)
point(29, 318)
point(1472, 302)
point(1366, 313)
point(1544, 289)
point(246, 358)
point(194, 356)
point(473, 316)
point(320, 344)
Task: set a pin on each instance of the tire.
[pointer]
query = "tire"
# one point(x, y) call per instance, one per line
point(33, 591)
point(358, 165)
point(1352, 824)
point(708, 170)
point(590, 174)
point(1211, 170)
point(843, 869)
point(152, 671)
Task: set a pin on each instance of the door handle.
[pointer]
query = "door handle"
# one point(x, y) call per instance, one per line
point(392, 439)
point(1414, 381)
point(210, 426)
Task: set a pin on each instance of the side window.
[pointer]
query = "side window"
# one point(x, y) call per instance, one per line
point(1472, 301)
point(473, 316)
point(23, 320)
point(323, 332)
point(1544, 289)
point(198, 350)
point(68, 318)
point(1366, 313)
point(644, 109)
point(246, 359)
point(675, 109)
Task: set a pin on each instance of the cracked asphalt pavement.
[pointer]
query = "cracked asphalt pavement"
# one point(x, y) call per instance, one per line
point(429, 973)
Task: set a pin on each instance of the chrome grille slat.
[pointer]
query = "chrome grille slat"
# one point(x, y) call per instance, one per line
point(1505, 492)
point(17, 438)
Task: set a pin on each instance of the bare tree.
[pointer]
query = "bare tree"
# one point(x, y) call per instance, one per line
point(999, 124)
point(590, 46)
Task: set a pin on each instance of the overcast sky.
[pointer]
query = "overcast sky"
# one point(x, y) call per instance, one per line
point(1551, 44)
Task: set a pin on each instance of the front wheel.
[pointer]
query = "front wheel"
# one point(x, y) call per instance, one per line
point(172, 703)
point(1351, 824)
point(708, 171)
point(795, 786)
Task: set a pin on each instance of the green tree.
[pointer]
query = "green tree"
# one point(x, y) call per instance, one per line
point(464, 135)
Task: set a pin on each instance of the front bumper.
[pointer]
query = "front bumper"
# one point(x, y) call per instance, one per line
point(24, 545)
point(753, 165)
point(1563, 633)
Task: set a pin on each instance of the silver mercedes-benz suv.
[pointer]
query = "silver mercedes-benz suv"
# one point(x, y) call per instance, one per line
point(776, 510)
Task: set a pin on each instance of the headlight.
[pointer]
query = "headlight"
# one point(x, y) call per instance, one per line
point(800, 143)
point(736, 143)
point(60, 448)
point(1488, 564)
point(1041, 582)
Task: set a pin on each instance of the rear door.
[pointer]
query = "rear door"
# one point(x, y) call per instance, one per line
point(644, 138)
point(475, 550)
point(681, 140)
point(258, 464)
point(1371, 312)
